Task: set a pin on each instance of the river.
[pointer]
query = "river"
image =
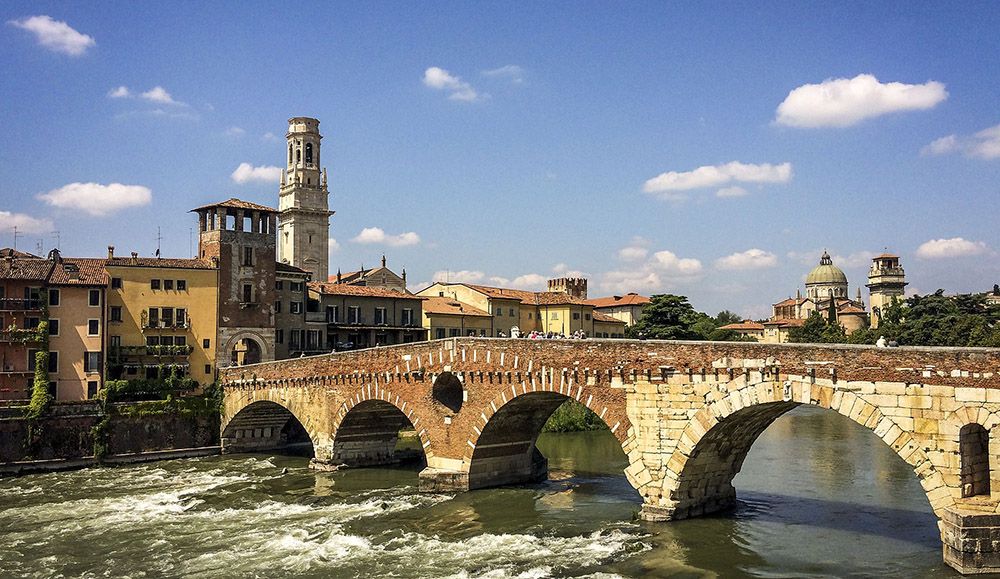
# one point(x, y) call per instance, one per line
point(819, 497)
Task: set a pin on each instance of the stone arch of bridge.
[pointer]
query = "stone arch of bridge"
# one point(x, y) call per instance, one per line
point(501, 445)
point(266, 424)
point(711, 449)
point(366, 427)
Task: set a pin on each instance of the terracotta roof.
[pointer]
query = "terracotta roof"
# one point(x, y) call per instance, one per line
point(79, 271)
point(235, 203)
point(629, 299)
point(852, 309)
point(785, 322)
point(599, 317)
point(530, 298)
point(287, 268)
point(11, 252)
point(885, 255)
point(159, 262)
point(439, 305)
point(745, 325)
point(340, 289)
point(791, 302)
point(30, 269)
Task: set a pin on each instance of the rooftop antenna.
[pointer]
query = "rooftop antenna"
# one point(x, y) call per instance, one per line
point(58, 239)
point(15, 238)
point(190, 242)
point(39, 247)
point(158, 239)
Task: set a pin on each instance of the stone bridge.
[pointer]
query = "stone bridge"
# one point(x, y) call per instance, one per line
point(685, 413)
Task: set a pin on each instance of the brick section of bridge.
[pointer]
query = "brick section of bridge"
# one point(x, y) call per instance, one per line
point(685, 413)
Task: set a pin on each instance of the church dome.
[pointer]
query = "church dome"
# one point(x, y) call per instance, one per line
point(826, 273)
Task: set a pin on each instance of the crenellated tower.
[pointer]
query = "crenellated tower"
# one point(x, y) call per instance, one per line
point(303, 206)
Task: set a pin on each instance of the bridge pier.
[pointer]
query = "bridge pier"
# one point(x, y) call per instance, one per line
point(970, 540)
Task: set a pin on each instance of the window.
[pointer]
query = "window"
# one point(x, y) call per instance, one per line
point(312, 339)
point(279, 285)
point(95, 297)
point(295, 286)
point(499, 312)
point(247, 256)
point(529, 315)
point(294, 340)
point(154, 284)
point(115, 341)
point(53, 362)
point(116, 283)
point(554, 316)
point(576, 315)
point(454, 332)
point(30, 323)
point(332, 314)
point(180, 317)
point(182, 285)
point(206, 343)
point(439, 333)
point(53, 327)
point(279, 336)
point(116, 313)
point(92, 362)
point(208, 368)
point(154, 318)
point(166, 340)
point(53, 297)
point(277, 307)
point(407, 317)
point(353, 315)
point(511, 312)
point(152, 340)
point(586, 317)
point(167, 317)
point(295, 307)
point(92, 389)
point(309, 153)
point(168, 284)
point(247, 293)
point(53, 388)
point(93, 327)
point(379, 315)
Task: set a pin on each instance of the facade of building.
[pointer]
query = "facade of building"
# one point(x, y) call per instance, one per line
point(627, 308)
point(382, 277)
point(290, 304)
point(161, 313)
point(304, 221)
point(240, 238)
point(22, 308)
point(77, 293)
point(363, 317)
point(449, 318)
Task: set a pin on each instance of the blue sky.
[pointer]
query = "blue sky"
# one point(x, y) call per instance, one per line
point(712, 150)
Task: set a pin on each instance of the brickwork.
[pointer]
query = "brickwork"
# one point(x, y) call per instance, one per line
point(686, 413)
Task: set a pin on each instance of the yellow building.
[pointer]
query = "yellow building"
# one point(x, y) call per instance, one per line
point(161, 312)
point(77, 326)
point(627, 308)
point(449, 318)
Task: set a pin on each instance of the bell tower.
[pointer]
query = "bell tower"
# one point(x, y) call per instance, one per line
point(303, 207)
point(886, 282)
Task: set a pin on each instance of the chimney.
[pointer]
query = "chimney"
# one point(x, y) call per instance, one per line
point(135, 257)
point(338, 275)
point(111, 252)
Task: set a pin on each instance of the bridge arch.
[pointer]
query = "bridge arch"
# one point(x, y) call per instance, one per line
point(366, 427)
point(711, 449)
point(265, 425)
point(501, 446)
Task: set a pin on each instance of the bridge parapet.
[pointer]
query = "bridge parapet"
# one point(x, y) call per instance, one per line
point(685, 413)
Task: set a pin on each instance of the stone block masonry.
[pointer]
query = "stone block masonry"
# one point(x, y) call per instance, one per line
point(685, 413)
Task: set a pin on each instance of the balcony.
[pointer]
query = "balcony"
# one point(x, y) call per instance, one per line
point(19, 336)
point(158, 324)
point(20, 305)
point(151, 351)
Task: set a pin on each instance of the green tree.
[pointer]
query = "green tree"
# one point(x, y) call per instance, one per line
point(669, 317)
point(811, 332)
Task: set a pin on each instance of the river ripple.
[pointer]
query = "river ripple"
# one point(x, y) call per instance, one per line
point(819, 497)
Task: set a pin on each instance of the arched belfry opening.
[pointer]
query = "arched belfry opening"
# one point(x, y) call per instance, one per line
point(266, 426)
point(309, 153)
point(375, 433)
point(974, 448)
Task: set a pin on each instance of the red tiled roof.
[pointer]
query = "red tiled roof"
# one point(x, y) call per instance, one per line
point(599, 317)
point(159, 262)
point(287, 268)
point(629, 299)
point(11, 252)
point(235, 203)
point(745, 325)
point(340, 289)
point(29, 269)
point(785, 322)
point(527, 297)
point(791, 302)
point(79, 271)
point(850, 310)
point(439, 305)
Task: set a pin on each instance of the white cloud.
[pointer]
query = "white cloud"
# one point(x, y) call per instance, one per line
point(234, 132)
point(333, 245)
point(982, 145)
point(270, 137)
point(264, 174)
point(462, 276)
point(120, 92)
point(954, 247)
point(734, 191)
point(98, 199)
point(668, 262)
point(159, 95)
point(843, 102)
point(441, 79)
point(632, 253)
point(811, 258)
point(717, 175)
point(55, 35)
point(511, 71)
point(563, 270)
point(749, 259)
point(25, 223)
point(375, 235)
point(621, 282)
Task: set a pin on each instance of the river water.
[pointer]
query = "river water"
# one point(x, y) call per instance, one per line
point(819, 497)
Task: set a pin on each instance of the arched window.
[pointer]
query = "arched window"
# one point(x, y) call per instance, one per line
point(309, 153)
point(289, 154)
point(298, 155)
point(974, 446)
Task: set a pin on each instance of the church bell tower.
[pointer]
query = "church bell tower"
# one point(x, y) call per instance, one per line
point(303, 207)
point(886, 282)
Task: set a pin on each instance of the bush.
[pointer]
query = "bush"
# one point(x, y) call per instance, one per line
point(571, 416)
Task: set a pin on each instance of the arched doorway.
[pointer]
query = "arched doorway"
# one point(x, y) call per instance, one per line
point(246, 351)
